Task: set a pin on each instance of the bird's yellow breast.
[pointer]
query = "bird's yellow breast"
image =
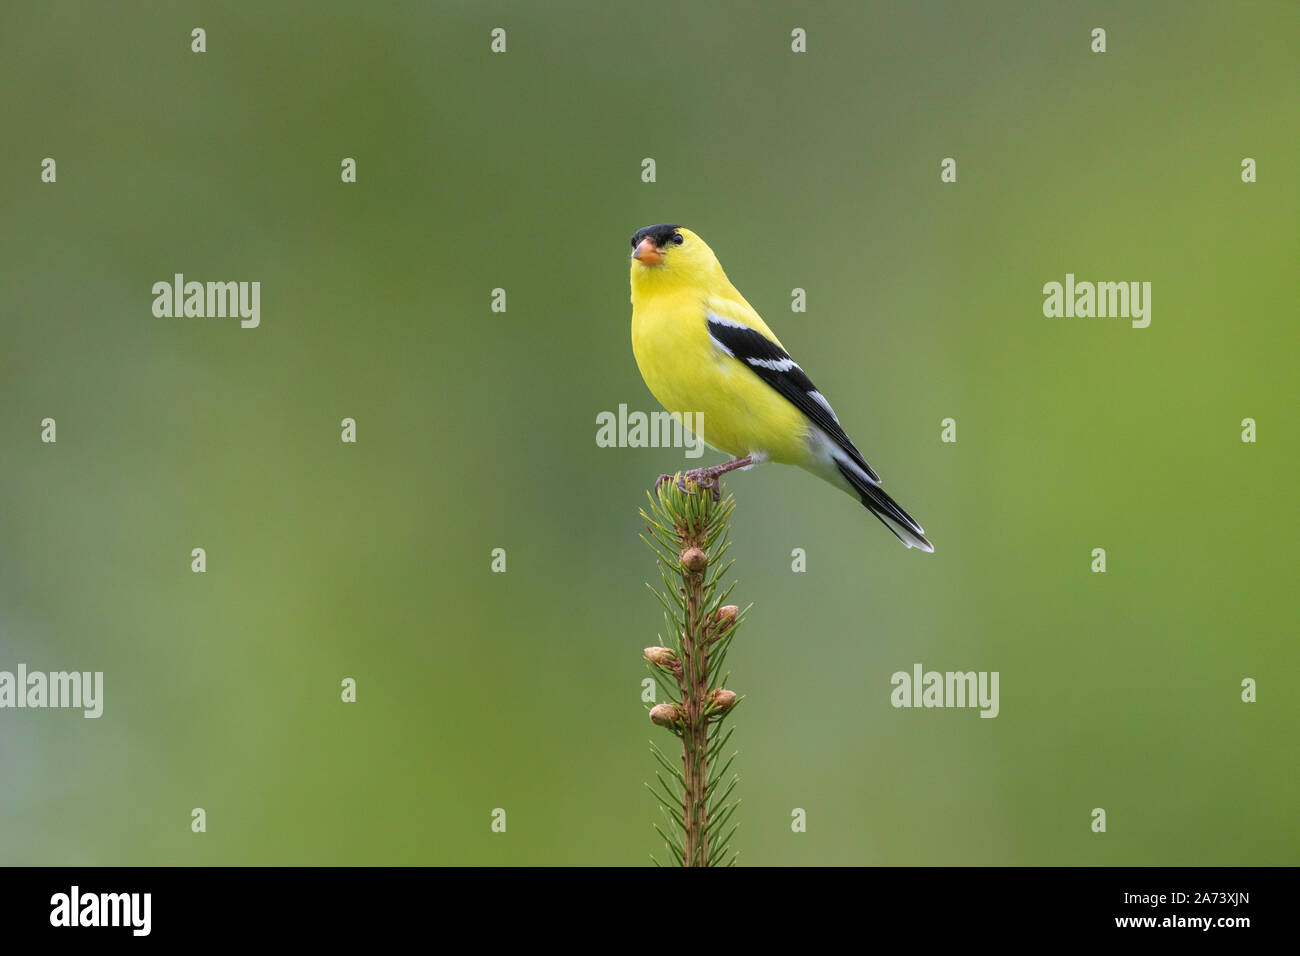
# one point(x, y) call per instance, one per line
point(687, 373)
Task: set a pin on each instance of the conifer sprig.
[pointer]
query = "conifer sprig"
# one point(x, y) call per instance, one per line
point(688, 533)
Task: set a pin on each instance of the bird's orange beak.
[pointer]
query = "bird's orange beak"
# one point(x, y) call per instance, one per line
point(648, 254)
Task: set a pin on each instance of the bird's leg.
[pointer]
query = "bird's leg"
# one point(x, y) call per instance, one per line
point(708, 477)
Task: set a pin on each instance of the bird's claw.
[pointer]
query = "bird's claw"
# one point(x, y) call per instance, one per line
point(681, 482)
point(702, 477)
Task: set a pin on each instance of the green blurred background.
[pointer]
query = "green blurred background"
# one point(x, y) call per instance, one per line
point(477, 430)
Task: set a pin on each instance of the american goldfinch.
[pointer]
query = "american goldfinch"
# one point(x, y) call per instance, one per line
point(702, 348)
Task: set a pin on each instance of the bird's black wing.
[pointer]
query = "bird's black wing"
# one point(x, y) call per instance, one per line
point(774, 366)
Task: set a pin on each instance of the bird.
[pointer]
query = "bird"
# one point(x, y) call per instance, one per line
point(703, 350)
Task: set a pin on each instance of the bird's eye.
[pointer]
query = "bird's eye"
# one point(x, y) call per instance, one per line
point(677, 239)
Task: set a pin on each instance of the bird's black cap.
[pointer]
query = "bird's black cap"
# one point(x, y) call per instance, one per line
point(661, 235)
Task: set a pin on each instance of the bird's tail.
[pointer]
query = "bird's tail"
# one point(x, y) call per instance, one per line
point(891, 515)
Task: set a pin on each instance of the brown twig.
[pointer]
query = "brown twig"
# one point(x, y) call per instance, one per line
point(694, 681)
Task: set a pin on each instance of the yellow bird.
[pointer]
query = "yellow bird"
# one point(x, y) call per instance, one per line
point(703, 349)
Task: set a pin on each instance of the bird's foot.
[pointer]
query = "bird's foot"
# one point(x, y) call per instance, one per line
point(705, 478)
point(701, 477)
